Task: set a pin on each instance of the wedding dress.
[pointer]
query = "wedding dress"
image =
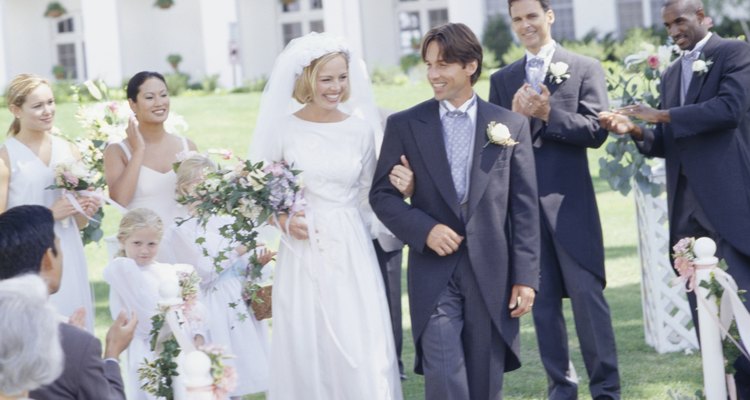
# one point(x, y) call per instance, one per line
point(331, 337)
point(29, 177)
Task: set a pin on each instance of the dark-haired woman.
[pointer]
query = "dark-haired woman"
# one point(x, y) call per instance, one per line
point(139, 169)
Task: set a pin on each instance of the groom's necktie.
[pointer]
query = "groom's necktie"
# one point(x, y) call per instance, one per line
point(458, 130)
point(687, 73)
point(535, 72)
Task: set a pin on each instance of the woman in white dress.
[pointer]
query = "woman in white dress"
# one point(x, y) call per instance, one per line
point(139, 170)
point(27, 166)
point(331, 334)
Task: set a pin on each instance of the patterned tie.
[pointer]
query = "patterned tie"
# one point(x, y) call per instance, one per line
point(535, 72)
point(687, 72)
point(457, 130)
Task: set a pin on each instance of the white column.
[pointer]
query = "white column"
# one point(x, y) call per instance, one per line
point(101, 35)
point(344, 18)
point(217, 17)
point(712, 354)
point(469, 12)
point(3, 71)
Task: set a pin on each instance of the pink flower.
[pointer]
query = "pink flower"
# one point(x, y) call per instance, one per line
point(653, 61)
point(686, 270)
point(70, 178)
point(112, 107)
point(226, 384)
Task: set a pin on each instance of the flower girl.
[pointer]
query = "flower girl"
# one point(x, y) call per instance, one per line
point(134, 278)
point(231, 325)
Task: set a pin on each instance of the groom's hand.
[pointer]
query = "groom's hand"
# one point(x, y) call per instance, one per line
point(443, 240)
point(521, 300)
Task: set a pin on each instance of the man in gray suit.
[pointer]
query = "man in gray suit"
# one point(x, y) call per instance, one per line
point(28, 245)
point(472, 225)
point(561, 93)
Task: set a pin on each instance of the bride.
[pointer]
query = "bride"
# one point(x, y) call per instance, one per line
point(331, 331)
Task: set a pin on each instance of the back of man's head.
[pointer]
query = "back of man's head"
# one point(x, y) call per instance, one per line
point(26, 233)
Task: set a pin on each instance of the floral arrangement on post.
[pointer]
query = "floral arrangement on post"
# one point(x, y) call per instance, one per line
point(639, 84)
point(54, 9)
point(684, 262)
point(158, 374)
point(250, 194)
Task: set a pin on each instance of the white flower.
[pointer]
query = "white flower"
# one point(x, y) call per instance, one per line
point(559, 72)
point(176, 124)
point(93, 90)
point(701, 66)
point(499, 134)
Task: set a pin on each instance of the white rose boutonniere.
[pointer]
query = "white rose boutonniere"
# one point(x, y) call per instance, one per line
point(701, 66)
point(499, 134)
point(558, 72)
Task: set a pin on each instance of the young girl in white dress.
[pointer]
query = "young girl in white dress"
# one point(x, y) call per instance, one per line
point(134, 280)
point(332, 337)
point(139, 170)
point(234, 329)
point(27, 166)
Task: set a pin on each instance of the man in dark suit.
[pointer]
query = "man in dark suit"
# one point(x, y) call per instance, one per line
point(703, 132)
point(472, 225)
point(28, 245)
point(561, 93)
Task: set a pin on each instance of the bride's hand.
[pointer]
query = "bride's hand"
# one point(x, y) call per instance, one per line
point(297, 226)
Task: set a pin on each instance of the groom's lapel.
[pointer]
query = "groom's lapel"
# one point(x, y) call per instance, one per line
point(428, 133)
point(483, 160)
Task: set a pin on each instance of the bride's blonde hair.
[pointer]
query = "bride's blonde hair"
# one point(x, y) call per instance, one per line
point(135, 220)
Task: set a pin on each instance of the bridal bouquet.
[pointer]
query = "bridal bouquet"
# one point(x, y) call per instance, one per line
point(249, 193)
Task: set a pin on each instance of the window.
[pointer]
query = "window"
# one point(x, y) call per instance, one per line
point(317, 26)
point(291, 31)
point(564, 27)
point(410, 31)
point(316, 4)
point(66, 56)
point(290, 6)
point(65, 26)
point(629, 15)
point(438, 17)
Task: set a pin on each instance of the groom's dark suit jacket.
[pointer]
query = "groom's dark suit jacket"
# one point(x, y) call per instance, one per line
point(501, 225)
point(708, 140)
point(566, 193)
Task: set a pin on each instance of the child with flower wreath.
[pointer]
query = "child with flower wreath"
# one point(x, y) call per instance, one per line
point(135, 278)
point(232, 326)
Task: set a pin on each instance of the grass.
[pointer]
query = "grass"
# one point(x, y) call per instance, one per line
point(227, 122)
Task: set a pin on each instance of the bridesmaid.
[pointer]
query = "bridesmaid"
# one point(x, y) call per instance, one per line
point(27, 166)
point(138, 170)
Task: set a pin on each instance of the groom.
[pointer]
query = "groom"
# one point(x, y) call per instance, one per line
point(472, 225)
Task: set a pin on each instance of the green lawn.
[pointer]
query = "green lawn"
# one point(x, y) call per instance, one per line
point(227, 121)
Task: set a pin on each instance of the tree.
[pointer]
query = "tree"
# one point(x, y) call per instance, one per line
point(497, 36)
point(718, 9)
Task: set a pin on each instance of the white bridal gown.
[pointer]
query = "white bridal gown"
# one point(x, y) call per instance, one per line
point(331, 337)
point(29, 177)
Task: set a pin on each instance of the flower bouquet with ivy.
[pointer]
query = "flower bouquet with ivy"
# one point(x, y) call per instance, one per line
point(637, 83)
point(249, 194)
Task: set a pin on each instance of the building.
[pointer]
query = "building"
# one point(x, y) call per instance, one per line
point(239, 39)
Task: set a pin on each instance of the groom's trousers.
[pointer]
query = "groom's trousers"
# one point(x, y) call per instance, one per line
point(463, 354)
point(561, 276)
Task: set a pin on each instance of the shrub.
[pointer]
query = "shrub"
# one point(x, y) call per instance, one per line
point(496, 37)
